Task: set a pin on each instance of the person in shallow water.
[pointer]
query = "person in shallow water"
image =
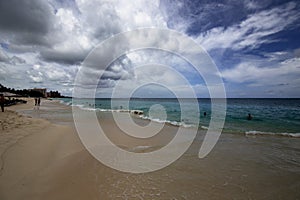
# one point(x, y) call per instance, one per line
point(204, 114)
point(249, 116)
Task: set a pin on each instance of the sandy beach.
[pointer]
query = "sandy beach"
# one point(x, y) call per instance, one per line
point(30, 147)
point(44, 159)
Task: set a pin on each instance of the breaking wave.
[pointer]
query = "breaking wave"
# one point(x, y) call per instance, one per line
point(249, 133)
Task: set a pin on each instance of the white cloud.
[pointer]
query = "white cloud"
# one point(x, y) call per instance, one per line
point(12, 59)
point(252, 32)
point(36, 79)
point(3, 56)
point(50, 56)
point(75, 34)
point(36, 67)
point(285, 73)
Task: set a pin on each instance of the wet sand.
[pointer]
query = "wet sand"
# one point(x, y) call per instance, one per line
point(43, 158)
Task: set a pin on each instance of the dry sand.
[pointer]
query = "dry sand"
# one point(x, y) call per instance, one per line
point(30, 148)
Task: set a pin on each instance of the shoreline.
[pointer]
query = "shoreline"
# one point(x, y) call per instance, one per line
point(255, 128)
point(51, 163)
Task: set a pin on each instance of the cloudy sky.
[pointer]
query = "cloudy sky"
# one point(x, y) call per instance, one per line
point(255, 44)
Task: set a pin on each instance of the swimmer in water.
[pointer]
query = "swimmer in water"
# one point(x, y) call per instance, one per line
point(249, 116)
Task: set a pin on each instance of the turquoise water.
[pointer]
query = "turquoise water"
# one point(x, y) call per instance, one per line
point(270, 116)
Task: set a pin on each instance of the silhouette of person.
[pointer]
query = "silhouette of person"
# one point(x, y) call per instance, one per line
point(35, 101)
point(2, 100)
point(249, 116)
point(39, 101)
point(204, 114)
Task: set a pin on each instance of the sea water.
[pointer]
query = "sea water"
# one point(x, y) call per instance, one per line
point(269, 116)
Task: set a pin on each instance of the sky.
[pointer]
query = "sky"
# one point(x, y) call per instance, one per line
point(255, 45)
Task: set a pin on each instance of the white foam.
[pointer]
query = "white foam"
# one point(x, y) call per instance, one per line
point(295, 135)
point(139, 113)
point(65, 103)
point(174, 123)
point(106, 110)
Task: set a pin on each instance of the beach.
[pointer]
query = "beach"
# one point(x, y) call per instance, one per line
point(42, 157)
point(149, 100)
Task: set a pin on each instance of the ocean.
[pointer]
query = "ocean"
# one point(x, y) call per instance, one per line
point(279, 117)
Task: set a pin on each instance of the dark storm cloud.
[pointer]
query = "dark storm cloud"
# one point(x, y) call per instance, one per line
point(120, 69)
point(26, 22)
point(63, 57)
point(32, 16)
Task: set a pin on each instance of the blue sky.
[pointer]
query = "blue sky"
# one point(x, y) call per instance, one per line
point(255, 44)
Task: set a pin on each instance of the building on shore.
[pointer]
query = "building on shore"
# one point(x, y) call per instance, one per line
point(43, 91)
point(53, 94)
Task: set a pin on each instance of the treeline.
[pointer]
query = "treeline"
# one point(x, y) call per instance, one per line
point(24, 92)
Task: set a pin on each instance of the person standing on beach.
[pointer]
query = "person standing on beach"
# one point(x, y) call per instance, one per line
point(2, 100)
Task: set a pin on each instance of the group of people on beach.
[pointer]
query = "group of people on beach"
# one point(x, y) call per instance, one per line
point(37, 101)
